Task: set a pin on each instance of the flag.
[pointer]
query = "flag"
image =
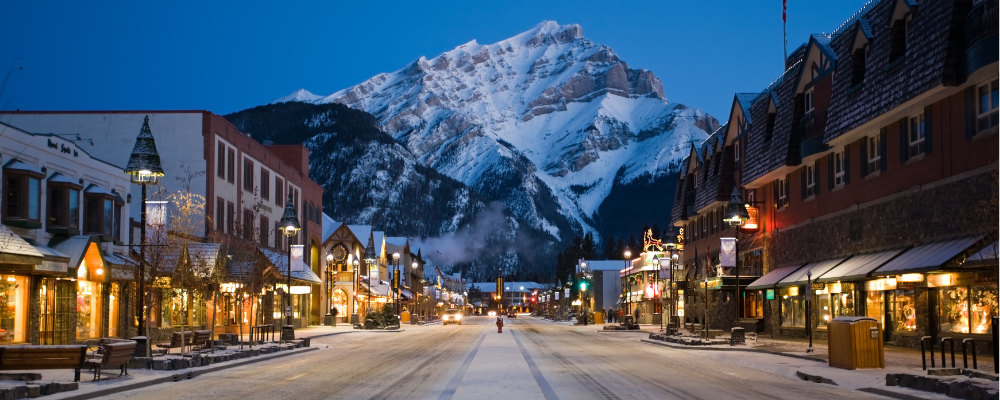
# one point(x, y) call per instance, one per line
point(708, 260)
point(697, 262)
point(784, 8)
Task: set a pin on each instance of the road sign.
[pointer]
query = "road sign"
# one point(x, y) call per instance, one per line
point(288, 311)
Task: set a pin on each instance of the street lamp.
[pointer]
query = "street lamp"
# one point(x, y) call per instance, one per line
point(626, 291)
point(329, 279)
point(369, 260)
point(143, 168)
point(671, 243)
point(290, 227)
point(354, 301)
point(736, 216)
point(656, 287)
point(395, 282)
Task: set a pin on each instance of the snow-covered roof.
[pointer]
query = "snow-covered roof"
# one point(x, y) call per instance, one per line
point(19, 165)
point(379, 236)
point(74, 248)
point(204, 257)
point(329, 226)
point(396, 240)
point(15, 245)
point(47, 252)
point(280, 262)
point(362, 232)
point(60, 178)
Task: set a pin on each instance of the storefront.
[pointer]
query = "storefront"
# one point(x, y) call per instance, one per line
point(787, 303)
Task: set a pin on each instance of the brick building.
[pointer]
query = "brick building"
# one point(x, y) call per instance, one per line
point(872, 160)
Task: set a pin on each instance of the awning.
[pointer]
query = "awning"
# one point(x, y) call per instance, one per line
point(406, 293)
point(16, 250)
point(986, 256)
point(771, 278)
point(52, 259)
point(859, 266)
point(121, 269)
point(377, 289)
point(817, 269)
point(926, 257)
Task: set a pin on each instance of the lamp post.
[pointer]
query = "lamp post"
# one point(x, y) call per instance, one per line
point(656, 287)
point(290, 227)
point(626, 292)
point(143, 168)
point(736, 216)
point(369, 260)
point(395, 282)
point(354, 296)
point(329, 283)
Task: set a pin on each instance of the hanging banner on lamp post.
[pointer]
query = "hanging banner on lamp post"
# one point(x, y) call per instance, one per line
point(727, 252)
point(298, 263)
point(156, 222)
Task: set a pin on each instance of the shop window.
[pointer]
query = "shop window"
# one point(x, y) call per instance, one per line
point(88, 310)
point(13, 308)
point(965, 309)
point(753, 304)
point(835, 300)
point(22, 195)
point(793, 308)
point(875, 306)
point(904, 310)
point(986, 118)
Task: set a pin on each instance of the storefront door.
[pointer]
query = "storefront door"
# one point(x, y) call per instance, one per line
point(58, 311)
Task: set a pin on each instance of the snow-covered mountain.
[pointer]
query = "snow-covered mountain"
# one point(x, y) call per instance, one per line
point(547, 122)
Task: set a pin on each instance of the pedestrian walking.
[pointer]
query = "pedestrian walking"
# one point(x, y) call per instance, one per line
point(333, 312)
point(499, 324)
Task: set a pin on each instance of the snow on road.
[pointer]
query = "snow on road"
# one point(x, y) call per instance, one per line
point(531, 359)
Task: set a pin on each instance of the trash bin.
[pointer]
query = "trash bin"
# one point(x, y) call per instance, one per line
point(599, 317)
point(855, 342)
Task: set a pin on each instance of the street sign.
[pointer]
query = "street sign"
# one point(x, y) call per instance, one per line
point(288, 311)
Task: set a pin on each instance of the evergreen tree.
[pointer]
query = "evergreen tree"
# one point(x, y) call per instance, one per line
point(610, 249)
point(633, 245)
point(656, 231)
point(588, 249)
point(619, 250)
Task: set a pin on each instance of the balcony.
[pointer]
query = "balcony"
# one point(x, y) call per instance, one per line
point(981, 36)
point(809, 133)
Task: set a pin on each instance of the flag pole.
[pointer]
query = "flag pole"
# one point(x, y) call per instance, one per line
point(784, 31)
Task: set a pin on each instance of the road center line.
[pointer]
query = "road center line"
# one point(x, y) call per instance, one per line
point(542, 383)
point(449, 391)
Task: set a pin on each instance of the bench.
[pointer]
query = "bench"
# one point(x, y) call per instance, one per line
point(115, 353)
point(177, 339)
point(43, 357)
point(201, 339)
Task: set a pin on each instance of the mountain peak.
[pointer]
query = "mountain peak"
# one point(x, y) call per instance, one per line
point(548, 32)
point(298, 95)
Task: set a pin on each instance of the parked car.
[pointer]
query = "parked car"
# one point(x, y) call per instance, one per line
point(452, 317)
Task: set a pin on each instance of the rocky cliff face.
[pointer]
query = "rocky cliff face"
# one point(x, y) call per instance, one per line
point(547, 122)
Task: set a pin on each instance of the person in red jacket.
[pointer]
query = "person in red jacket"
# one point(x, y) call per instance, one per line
point(499, 325)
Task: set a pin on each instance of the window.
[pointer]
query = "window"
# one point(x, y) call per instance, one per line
point(915, 137)
point(220, 215)
point(736, 151)
point(22, 195)
point(986, 117)
point(279, 191)
point(781, 192)
point(808, 98)
point(874, 150)
point(279, 240)
point(897, 47)
point(858, 60)
point(230, 218)
point(265, 184)
point(247, 175)
point(967, 309)
point(769, 126)
point(63, 204)
point(904, 313)
point(220, 162)
point(715, 221)
point(264, 226)
point(231, 166)
point(248, 224)
point(793, 307)
point(839, 169)
point(98, 212)
point(809, 171)
point(835, 300)
point(751, 196)
point(116, 232)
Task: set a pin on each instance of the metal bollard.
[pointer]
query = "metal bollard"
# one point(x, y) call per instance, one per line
point(944, 363)
point(965, 361)
point(923, 349)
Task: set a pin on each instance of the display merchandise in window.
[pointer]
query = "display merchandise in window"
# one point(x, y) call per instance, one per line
point(88, 309)
point(875, 306)
point(967, 310)
point(793, 311)
point(905, 311)
point(13, 308)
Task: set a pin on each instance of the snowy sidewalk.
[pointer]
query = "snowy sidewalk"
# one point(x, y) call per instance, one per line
point(497, 371)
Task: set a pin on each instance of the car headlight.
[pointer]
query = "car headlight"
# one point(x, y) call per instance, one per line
point(458, 316)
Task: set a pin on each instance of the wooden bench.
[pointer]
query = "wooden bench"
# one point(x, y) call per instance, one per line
point(177, 339)
point(112, 354)
point(43, 357)
point(201, 338)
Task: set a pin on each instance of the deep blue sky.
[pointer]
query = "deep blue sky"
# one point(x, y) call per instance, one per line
point(227, 57)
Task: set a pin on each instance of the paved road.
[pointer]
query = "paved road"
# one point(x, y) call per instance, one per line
point(531, 359)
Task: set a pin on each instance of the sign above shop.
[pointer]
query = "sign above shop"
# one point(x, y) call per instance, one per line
point(750, 225)
point(52, 266)
point(770, 294)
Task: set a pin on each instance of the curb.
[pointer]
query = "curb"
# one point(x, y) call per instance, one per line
point(353, 331)
point(622, 331)
point(889, 393)
point(709, 348)
point(184, 375)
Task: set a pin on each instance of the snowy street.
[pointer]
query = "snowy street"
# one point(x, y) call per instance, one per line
point(531, 359)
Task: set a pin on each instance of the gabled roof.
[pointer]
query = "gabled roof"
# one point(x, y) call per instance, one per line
point(379, 238)
point(204, 257)
point(329, 227)
point(279, 261)
point(362, 232)
point(396, 240)
point(75, 248)
point(745, 100)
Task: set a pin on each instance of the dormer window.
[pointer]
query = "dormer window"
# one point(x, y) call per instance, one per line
point(63, 208)
point(898, 41)
point(98, 212)
point(858, 61)
point(736, 150)
point(808, 100)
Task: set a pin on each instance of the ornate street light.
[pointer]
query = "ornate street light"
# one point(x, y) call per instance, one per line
point(354, 296)
point(671, 244)
point(736, 215)
point(625, 290)
point(329, 279)
point(143, 168)
point(395, 282)
point(290, 227)
point(369, 260)
point(656, 287)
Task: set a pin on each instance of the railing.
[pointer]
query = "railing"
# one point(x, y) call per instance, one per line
point(981, 22)
point(812, 124)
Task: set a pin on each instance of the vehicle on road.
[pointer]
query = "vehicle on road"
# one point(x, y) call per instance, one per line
point(512, 315)
point(452, 317)
point(492, 313)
